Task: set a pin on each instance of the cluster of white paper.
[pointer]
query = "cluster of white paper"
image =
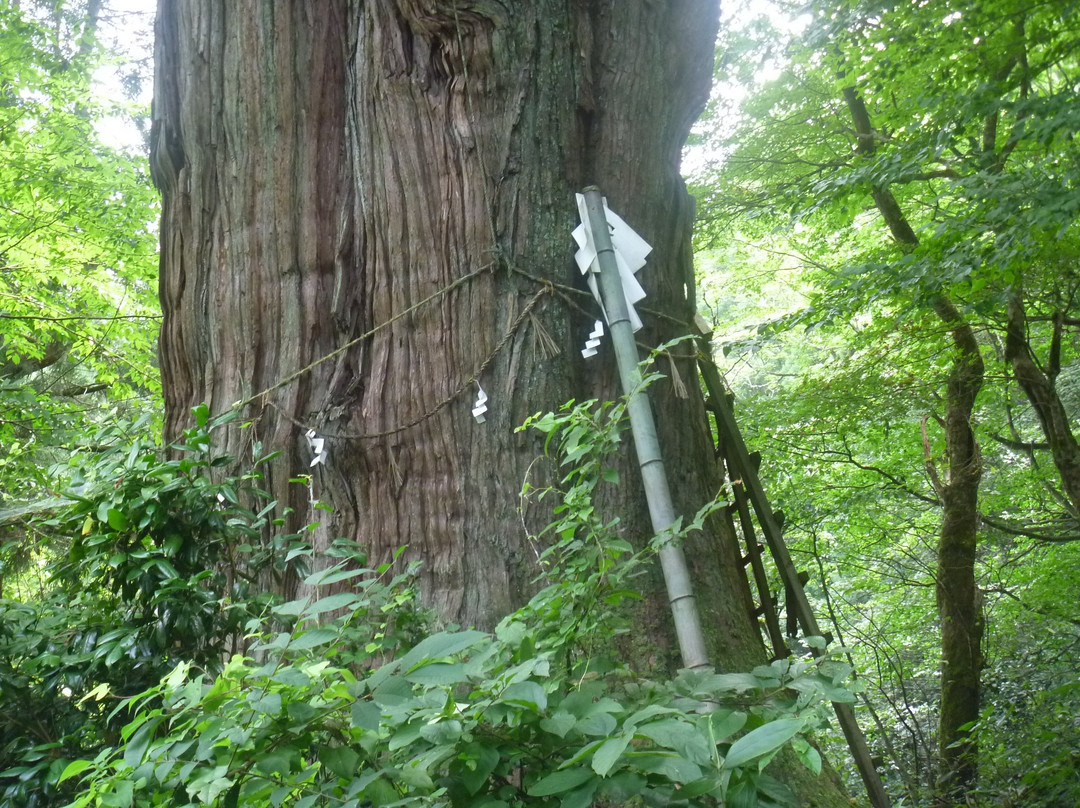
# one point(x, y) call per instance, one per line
point(593, 342)
point(480, 407)
point(630, 253)
point(317, 446)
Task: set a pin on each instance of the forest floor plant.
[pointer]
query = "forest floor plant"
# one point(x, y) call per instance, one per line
point(337, 700)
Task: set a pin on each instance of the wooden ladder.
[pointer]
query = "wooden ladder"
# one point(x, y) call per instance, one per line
point(748, 492)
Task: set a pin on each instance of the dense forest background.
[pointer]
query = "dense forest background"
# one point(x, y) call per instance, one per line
point(886, 254)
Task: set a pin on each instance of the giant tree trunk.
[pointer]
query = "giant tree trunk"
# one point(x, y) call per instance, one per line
point(327, 166)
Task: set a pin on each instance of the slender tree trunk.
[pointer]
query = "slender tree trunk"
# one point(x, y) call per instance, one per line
point(1039, 385)
point(958, 600)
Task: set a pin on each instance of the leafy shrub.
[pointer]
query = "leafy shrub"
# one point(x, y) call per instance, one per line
point(154, 560)
point(350, 712)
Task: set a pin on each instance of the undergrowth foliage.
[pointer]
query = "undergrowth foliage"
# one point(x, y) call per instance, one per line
point(345, 700)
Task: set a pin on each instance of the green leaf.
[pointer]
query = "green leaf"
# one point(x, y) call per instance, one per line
point(270, 704)
point(527, 694)
point(559, 723)
point(439, 646)
point(135, 748)
point(442, 732)
point(393, 692)
point(596, 724)
point(415, 777)
point(341, 760)
point(811, 758)
point(674, 767)
point(762, 741)
point(724, 723)
point(342, 600)
point(277, 761)
point(300, 712)
point(117, 520)
point(313, 638)
point(608, 754)
point(680, 736)
point(582, 798)
point(438, 674)
point(366, 715)
point(483, 760)
point(76, 767)
point(559, 782)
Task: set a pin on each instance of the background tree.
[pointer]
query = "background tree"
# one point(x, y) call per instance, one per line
point(78, 307)
point(847, 128)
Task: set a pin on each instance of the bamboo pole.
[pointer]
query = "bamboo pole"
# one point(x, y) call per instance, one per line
point(661, 511)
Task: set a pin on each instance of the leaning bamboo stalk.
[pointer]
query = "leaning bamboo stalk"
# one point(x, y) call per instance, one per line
point(643, 427)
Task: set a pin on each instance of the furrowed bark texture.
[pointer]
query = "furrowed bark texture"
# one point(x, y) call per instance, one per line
point(957, 593)
point(330, 165)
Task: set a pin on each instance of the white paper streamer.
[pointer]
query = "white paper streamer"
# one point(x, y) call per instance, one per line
point(593, 342)
point(630, 252)
point(480, 407)
point(317, 446)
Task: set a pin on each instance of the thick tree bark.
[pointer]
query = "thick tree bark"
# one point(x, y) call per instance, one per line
point(327, 166)
point(958, 599)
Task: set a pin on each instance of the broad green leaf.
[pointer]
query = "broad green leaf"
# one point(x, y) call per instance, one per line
point(682, 737)
point(811, 758)
point(366, 715)
point(559, 782)
point(300, 712)
point(439, 646)
point(415, 776)
point(313, 638)
point(597, 724)
point(76, 767)
point(441, 732)
point(275, 761)
point(438, 673)
point(392, 692)
point(558, 723)
point(331, 603)
point(527, 694)
point(341, 760)
point(479, 762)
point(135, 748)
point(270, 704)
point(608, 754)
point(292, 608)
point(117, 519)
point(723, 724)
point(762, 741)
point(672, 766)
